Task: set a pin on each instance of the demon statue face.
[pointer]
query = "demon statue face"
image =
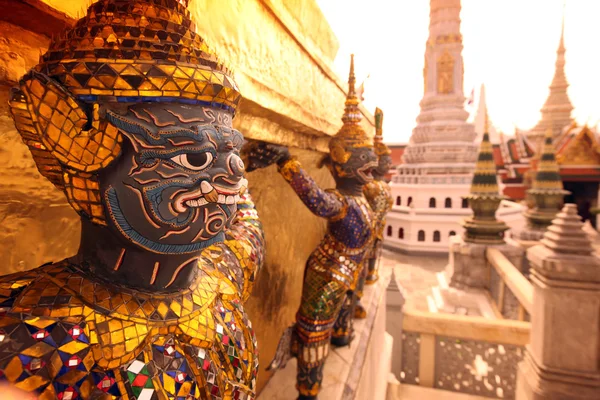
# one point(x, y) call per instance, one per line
point(129, 113)
point(352, 161)
point(181, 163)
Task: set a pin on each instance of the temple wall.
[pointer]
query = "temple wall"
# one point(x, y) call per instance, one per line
point(282, 52)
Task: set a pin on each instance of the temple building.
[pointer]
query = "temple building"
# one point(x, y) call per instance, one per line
point(437, 166)
point(577, 148)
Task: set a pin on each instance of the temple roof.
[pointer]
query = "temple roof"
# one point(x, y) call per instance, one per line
point(517, 149)
point(580, 147)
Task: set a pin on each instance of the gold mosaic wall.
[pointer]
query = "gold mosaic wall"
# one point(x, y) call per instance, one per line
point(291, 96)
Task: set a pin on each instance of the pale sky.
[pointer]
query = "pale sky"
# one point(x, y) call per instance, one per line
point(510, 45)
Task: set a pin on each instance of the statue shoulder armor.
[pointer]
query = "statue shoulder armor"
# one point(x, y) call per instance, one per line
point(14, 284)
point(40, 291)
point(371, 190)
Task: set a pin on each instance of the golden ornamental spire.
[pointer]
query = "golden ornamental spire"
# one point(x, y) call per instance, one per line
point(485, 182)
point(352, 114)
point(557, 105)
point(351, 135)
point(547, 176)
point(548, 172)
point(484, 199)
point(547, 193)
point(351, 78)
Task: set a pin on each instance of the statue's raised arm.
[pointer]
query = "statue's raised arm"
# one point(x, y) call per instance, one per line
point(322, 203)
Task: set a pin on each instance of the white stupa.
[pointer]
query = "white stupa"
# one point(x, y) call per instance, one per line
point(438, 163)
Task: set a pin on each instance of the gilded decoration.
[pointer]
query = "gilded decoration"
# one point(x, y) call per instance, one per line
point(583, 149)
point(484, 198)
point(445, 71)
point(129, 113)
point(546, 194)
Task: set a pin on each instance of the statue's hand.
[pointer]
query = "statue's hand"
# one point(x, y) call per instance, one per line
point(264, 154)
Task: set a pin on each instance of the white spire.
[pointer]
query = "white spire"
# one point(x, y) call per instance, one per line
point(480, 119)
point(442, 136)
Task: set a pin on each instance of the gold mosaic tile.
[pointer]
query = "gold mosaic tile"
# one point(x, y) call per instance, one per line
point(75, 338)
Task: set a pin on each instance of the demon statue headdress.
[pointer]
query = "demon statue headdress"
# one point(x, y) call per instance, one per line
point(129, 113)
point(332, 270)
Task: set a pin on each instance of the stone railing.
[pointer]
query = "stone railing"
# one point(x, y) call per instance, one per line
point(432, 180)
point(472, 355)
point(511, 292)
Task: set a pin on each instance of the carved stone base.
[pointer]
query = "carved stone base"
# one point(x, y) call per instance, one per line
point(531, 234)
point(468, 266)
point(537, 383)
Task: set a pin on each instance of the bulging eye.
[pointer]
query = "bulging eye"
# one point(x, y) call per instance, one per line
point(363, 156)
point(194, 161)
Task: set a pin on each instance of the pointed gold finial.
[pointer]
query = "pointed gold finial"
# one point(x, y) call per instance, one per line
point(563, 17)
point(352, 114)
point(351, 77)
point(561, 45)
point(351, 135)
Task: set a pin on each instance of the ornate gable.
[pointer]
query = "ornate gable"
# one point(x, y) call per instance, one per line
point(583, 149)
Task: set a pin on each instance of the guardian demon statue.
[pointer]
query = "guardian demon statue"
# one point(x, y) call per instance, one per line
point(379, 195)
point(333, 269)
point(129, 113)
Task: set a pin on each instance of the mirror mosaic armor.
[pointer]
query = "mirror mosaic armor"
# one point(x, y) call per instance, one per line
point(333, 269)
point(129, 113)
point(379, 195)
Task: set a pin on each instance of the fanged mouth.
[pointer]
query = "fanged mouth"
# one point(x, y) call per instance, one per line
point(366, 170)
point(210, 193)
